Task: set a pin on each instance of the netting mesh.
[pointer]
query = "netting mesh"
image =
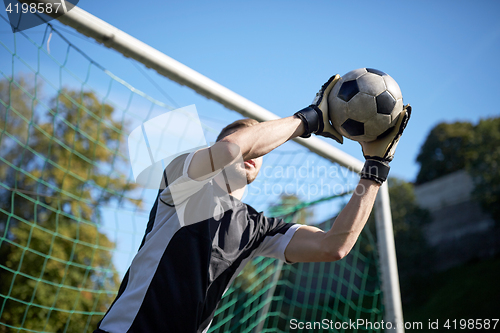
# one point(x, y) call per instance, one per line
point(269, 295)
point(72, 218)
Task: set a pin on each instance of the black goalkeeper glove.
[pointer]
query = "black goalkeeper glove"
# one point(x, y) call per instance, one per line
point(380, 152)
point(316, 118)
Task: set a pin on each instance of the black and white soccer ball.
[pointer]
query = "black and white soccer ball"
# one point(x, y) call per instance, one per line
point(365, 104)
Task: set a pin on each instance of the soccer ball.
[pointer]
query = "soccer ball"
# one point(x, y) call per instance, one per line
point(365, 104)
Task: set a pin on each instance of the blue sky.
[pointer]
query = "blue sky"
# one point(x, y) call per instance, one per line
point(444, 55)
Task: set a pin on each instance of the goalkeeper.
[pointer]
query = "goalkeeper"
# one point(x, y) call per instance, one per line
point(200, 235)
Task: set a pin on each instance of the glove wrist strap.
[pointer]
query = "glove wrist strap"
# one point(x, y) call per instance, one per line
point(312, 120)
point(375, 170)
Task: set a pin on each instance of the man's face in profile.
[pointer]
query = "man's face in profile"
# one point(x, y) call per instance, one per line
point(247, 170)
point(252, 168)
point(241, 173)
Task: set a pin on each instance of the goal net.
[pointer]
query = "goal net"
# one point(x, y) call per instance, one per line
point(72, 216)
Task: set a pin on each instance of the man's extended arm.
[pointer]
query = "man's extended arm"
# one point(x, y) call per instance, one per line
point(310, 244)
point(260, 139)
point(249, 142)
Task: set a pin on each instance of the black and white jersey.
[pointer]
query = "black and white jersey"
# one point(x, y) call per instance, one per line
point(193, 249)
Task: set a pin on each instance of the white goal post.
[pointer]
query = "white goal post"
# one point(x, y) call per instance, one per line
point(110, 36)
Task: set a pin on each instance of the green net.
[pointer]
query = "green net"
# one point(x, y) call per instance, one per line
point(270, 296)
point(72, 217)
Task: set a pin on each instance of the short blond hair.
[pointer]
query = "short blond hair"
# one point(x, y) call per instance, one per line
point(236, 125)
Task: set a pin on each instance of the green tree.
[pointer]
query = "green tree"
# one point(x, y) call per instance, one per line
point(444, 151)
point(58, 164)
point(291, 204)
point(484, 165)
point(464, 146)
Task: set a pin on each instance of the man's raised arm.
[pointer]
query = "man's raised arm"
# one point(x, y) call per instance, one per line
point(310, 244)
point(258, 140)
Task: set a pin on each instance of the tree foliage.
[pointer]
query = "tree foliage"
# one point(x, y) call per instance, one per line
point(445, 150)
point(484, 165)
point(292, 204)
point(464, 146)
point(58, 164)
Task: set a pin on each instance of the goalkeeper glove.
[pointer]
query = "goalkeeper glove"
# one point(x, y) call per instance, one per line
point(380, 152)
point(316, 117)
